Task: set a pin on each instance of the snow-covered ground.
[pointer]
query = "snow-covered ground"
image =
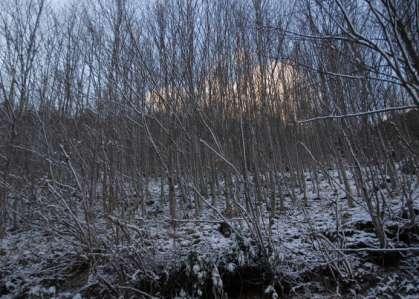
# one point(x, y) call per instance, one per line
point(314, 251)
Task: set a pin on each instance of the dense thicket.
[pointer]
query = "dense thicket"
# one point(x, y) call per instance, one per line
point(205, 96)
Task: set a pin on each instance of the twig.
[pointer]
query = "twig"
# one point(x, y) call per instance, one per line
point(137, 291)
point(220, 156)
point(203, 220)
point(358, 113)
point(372, 249)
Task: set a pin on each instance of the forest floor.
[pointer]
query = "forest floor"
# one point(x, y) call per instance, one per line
point(317, 250)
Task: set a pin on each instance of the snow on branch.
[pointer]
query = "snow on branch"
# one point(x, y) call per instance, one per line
point(358, 113)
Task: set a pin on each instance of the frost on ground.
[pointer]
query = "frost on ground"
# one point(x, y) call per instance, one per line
point(318, 248)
